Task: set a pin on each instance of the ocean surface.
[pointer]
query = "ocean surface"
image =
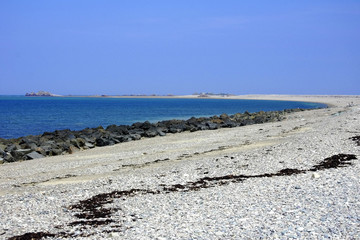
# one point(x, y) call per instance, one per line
point(21, 116)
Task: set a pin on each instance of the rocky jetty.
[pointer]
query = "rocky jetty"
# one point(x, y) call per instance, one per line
point(66, 141)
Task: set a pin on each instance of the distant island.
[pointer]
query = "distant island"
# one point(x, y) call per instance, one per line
point(194, 95)
point(41, 94)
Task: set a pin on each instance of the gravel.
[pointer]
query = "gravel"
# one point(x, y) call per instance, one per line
point(148, 185)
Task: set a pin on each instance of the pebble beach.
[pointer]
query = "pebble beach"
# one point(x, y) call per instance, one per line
point(262, 181)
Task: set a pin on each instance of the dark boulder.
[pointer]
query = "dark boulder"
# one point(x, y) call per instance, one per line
point(56, 151)
point(145, 125)
point(78, 142)
point(151, 132)
point(45, 149)
point(103, 141)
point(160, 132)
point(137, 131)
point(135, 136)
point(11, 147)
point(212, 125)
point(2, 152)
point(121, 129)
point(19, 153)
point(33, 155)
point(229, 124)
point(32, 146)
point(224, 116)
point(9, 158)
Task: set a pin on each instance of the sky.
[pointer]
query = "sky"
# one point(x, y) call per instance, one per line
point(87, 47)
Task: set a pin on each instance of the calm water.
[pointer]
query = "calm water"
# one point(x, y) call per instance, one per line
point(21, 116)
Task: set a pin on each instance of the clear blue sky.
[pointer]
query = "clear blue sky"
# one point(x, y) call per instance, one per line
point(180, 47)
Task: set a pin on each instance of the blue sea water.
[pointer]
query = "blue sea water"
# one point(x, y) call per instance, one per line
point(21, 116)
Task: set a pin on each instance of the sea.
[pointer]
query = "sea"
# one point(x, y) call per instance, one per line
point(22, 116)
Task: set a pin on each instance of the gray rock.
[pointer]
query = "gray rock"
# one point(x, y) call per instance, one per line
point(9, 158)
point(23, 151)
point(160, 133)
point(152, 132)
point(56, 151)
point(89, 145)
point(45, 148)
point(73, 149)
point(224, 116)
point(34, 155)
point(75, 142)
point(32, 146)
point(10, 148)
point(100, 142)
point(2, 152)
point(211, 125)
point(135, 136)
point(81, 142)
point(19, 154)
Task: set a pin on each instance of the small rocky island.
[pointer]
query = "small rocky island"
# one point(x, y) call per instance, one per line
point(40, 94)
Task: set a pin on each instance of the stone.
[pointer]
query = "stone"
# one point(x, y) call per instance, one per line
point(100, 142)
point(224, 116)
point(2, 152)
point(10, 148)
point(121, 129)
point(34, 155)
point(114, 235)
point(19, 154)
point(74, 142)
point(9, 158)
point(56, 151)
point(89, 145)
point(174, 130)
point(212, 125)
point(151, 132)
point(217, 121)
point(45, 148)
point(135, 136)
point(160, 132)
point(40, 150)
point(315, 175)
point(32, 146)
point(73, 149)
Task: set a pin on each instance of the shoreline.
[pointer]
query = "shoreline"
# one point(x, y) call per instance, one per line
point(315, 98)
point(224, 183)
point(62, 142)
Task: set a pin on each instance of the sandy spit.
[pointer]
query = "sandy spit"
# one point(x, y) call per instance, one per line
point(39, 196)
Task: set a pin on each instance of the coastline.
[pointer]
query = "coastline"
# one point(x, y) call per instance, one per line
point(324, 99)
point(304, 205)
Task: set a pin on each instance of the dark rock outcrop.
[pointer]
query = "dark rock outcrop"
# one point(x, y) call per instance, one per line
point(66, 141)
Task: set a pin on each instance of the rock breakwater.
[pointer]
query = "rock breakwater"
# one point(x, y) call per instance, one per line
point(66, 141)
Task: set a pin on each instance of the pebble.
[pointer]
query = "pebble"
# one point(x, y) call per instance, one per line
point(315, 175)
point(34, 197)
